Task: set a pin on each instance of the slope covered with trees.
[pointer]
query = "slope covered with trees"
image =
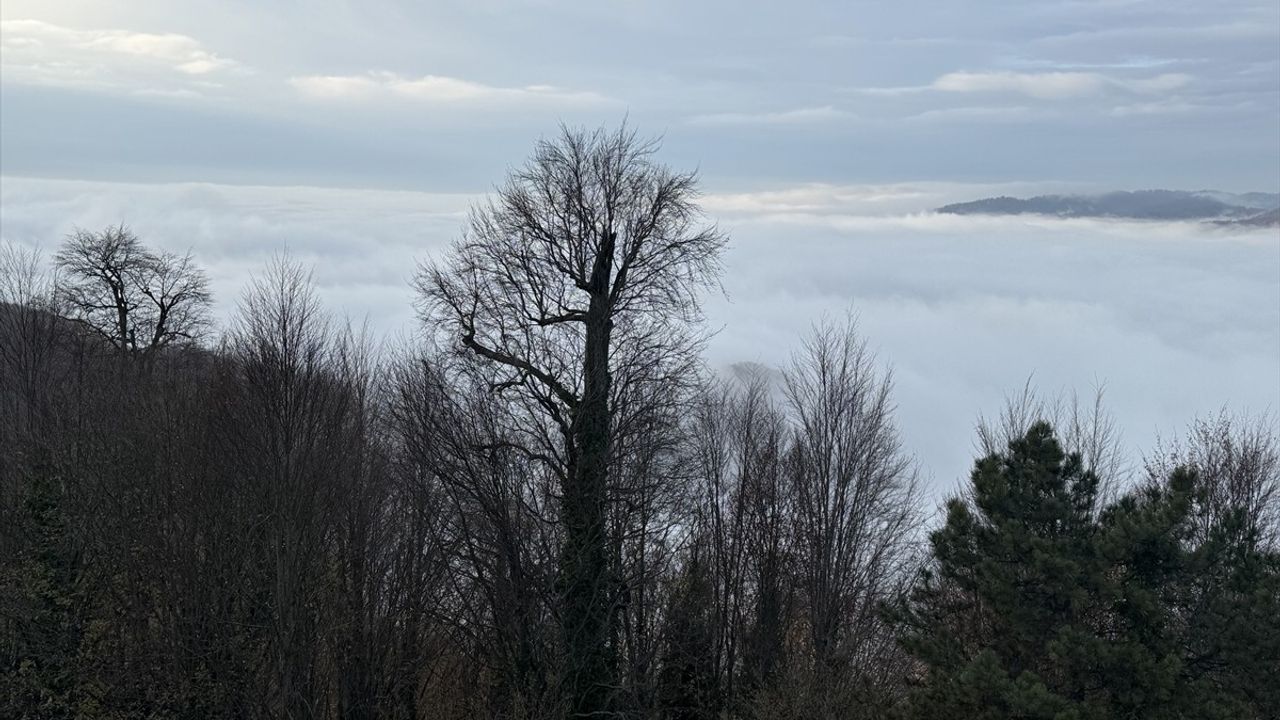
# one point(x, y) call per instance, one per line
point(545, 507)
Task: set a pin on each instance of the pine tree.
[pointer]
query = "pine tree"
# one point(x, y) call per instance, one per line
point(1009, 585)
point(1039, 605)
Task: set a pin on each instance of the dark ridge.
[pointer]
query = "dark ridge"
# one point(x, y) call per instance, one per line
point(1270, 218)
point(1139, 205)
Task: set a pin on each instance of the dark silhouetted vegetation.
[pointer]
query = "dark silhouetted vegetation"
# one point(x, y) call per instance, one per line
point(544, 506)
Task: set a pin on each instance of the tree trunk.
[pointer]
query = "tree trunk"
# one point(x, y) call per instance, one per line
point(586, 586)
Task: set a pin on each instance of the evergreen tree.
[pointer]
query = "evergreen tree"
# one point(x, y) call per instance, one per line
point(1038, 606)
point(1008, 587)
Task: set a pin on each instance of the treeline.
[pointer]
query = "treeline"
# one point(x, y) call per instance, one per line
point(542, 506)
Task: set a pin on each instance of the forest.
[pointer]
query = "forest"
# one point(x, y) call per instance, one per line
point(545, 505)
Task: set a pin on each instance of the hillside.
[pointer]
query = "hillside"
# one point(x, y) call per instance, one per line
point(1138, 205)
point(1269, 218)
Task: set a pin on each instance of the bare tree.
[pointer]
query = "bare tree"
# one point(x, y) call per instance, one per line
point(30, 334)
point(743, 526)
point(762, 438)
point(1084, 427)
point(135, 298)
point(1237, 458)
point(591, 242)
point(284, 433)
point(856, 500)
point(494, 591)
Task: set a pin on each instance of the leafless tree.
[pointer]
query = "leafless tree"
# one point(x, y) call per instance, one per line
point(763, 438)
point(1237, 458)
point(1084, 427)
point(589, 244)
point(137, 299)
point(743, 519)
point(284, 434)
point(31, 335)
point(31, 331)
point(856, 500)
point(493, 532)
point(545, 508)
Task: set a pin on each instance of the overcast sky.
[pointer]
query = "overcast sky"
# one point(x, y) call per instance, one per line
point(356, 134)
point(443, 95)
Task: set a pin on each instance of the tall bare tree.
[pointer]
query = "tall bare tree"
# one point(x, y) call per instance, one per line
point(285, 433)
point(856, 500)
point(588, 244)
point(743, 530)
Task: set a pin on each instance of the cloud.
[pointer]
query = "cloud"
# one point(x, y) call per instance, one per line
point(362, 244)
point(1039, 85)
point(1167, 82)
point(382, 85)
point(1257, 27)
point(42, 53)
point(1045, 86)
point(1126, 63)
point(1054, 85)
point(866, 201)
point(1174, 318)
point(1163, 107)
point(799, 116)
point(980, 113)
point(185, 53)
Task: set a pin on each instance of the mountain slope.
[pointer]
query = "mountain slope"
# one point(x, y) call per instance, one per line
point(1139, 205)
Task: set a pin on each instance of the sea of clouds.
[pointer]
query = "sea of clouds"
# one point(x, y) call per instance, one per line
point(1174, 319)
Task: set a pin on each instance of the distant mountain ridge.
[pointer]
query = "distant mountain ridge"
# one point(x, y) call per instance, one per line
point(1269, 218)
point(1254, 209)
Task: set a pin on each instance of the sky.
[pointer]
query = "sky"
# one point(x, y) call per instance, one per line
point(357, 134)
point(403, 94)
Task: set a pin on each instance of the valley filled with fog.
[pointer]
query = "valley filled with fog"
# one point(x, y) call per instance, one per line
point(1174, 319)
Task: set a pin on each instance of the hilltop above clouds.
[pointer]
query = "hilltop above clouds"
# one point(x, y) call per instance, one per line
point(1254, 208)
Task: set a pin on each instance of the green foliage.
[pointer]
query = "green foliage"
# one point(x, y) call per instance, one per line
point(1040, 606)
